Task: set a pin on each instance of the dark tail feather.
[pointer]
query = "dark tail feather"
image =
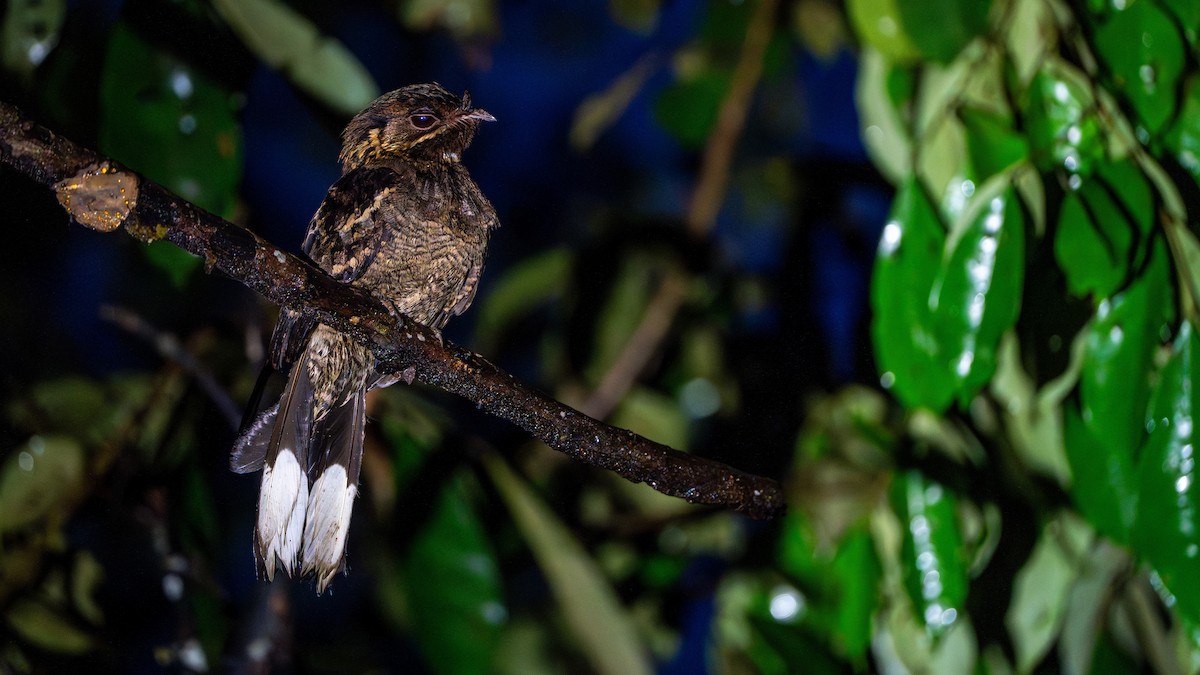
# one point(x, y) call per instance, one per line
point(334, 469)
point(338, 439)
point(283, 497)
point(250, 449)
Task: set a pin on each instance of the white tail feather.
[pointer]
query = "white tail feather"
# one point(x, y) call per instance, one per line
point(330, 504)
point(282, 500)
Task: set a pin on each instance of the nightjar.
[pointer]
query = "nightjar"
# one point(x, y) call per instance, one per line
point(405, 222)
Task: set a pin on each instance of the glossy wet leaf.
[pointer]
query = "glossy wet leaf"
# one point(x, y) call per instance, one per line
point(603, 629)
point(840, 584)
point(979, 292)
point(453, 588)
point(1099, 227)
point(941, 28)
point(992, 144)
point(1102, 435)
point(910, 253)
point(1145, 54)
point(290, 43)
point(1103, 479)
point(1184, 137)
point(1188, 14)
point(1166, 532)
point(1063, 129)
point(1115, 380)
point(932, 557)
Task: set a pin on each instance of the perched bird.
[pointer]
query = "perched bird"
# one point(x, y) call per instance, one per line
point(405, 222)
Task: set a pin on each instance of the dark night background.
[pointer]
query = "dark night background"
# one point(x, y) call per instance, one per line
point(785, 274)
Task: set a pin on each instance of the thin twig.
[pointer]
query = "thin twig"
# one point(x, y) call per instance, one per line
point(101, 194)
point(170, 349)
point(701, 215)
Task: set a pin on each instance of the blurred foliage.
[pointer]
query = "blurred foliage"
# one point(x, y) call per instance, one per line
point(1017, 493)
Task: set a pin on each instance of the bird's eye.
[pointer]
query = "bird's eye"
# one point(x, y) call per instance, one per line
point(423, 121)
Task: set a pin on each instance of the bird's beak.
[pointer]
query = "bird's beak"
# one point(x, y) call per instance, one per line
point(478, 114)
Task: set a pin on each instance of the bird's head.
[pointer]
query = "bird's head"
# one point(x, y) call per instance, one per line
point(420, 121)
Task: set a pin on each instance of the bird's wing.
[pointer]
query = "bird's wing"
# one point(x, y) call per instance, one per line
point(343, 238)
point(348, 229)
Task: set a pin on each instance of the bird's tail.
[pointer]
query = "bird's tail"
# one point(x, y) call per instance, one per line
point(333, 470)
point(310, 479)
point(278, 443)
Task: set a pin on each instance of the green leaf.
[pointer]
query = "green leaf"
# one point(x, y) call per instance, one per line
point(1115, 380)
point(979, 292)
point(1145, 54)
point(1103, 480)
point(169, 121)
point(453, 588)
point(688, 108)
point(37, 478)
point(840, 586)
point(30, 30)
point(1167, 529)
point(524, 286)
point(173, 261)
point(1062, 126)
point(909, 257)
point(1183, 140)
point(1042, 589)
point(463, 18)
point(877, 23)
point(931, 552)
point(1188, 13)
point(290, 43)
point(1098, 227)
point(653, 415)
point(603, 628)
point(941, 28)
point(1102, 434)
point(993, 146)
point(48, 627)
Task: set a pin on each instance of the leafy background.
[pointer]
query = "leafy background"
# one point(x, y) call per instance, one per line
point(948, 293)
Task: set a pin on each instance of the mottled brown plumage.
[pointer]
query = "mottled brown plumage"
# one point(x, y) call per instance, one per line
point(406, 222)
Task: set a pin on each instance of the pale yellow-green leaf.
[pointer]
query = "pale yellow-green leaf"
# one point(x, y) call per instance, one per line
point(315, 63)
point(1040, 592)
point(623, 311)
point(1034, 416)
point(47, 628)
point(604, 629)
point(36, 478)
point(877, 23)
point(463, 18)
point(653, 415)
point(601, 110)
point(883, 132)
point(86, 575)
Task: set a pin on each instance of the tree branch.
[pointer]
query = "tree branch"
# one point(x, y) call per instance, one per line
point(103, 195)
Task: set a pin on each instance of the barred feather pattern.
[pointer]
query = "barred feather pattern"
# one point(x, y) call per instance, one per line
point(407, 223)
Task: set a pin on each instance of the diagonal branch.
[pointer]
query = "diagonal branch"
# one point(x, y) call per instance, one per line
point(103, 195)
